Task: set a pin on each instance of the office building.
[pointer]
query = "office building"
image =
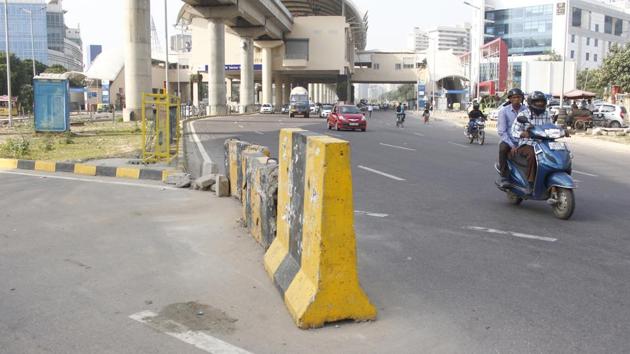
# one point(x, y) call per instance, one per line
point(64, 44)
point(93, 51)
point(20, 29)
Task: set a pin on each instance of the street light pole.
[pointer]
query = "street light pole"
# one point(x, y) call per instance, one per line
point(166, 46)
point(564, 53)
point(30, 13)
point(8, 55)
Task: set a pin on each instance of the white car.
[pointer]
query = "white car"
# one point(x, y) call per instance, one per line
point(614, 115)
point(494, 115)
point(326, 109)
point(266, 108)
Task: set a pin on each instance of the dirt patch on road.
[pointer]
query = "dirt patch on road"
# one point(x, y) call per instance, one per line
point(193, 316)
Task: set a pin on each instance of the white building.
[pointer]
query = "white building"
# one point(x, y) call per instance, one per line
point(418, 41)
point(456, 39)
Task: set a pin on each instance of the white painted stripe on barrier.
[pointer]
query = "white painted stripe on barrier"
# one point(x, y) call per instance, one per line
point(202, 151)
point(378, 215)
point(510, 233)
point(397, 147)
point(91, 180)
point(584, 173)
point(381, 173)
point(198, 339)
point(456, 144)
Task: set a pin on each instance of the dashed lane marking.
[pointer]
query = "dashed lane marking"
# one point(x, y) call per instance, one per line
point(460, 145)
point(397, 147)
point(381, 173)
point(198, 339)
point(510, 233)
point(377, 215)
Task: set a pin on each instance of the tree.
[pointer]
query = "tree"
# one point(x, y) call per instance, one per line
point(21, 73)
point(26, 98)
point(591, 80)
point(56, 69)
point(551, 55)
point(615, 69)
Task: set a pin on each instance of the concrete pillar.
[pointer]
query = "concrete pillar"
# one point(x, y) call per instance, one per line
point(196, 94)
point(277, 95)
point(285, 93)
point(137, 43)
point(310, 91)
point(228, 90)
point(321, 92)
point(216, 67)
point(267, 71)
point(247, 76)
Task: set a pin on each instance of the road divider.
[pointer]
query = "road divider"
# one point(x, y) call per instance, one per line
point(87, 169)
point(301, 209)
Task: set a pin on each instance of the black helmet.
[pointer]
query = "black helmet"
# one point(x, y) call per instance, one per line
point(537, 102)
point(475, 105)
point(516, 92)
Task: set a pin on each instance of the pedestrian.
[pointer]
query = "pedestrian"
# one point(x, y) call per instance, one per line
point(370, 109)
point(426, 114)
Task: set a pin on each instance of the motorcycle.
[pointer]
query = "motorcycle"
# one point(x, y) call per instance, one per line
point(400, 120)
point(475, 130)
point(553, 183)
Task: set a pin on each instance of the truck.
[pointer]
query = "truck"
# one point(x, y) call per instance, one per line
point(299, 103)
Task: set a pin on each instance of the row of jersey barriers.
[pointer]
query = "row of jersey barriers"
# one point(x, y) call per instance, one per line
point(300, 209)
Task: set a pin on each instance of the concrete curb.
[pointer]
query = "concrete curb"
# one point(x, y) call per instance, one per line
point(87, 170)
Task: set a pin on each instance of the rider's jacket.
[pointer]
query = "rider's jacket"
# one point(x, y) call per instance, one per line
point(534, 119)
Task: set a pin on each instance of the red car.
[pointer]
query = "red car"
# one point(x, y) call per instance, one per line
point(346, 117)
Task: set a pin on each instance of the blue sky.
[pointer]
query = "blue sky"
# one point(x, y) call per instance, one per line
point(390, 21)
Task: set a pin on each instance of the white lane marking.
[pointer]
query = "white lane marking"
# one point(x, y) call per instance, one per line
point(510, 233)
point(199, 340)
point(204, 154)
point(259, 132)
point(584, 173)
point(397, 147)
point(377, 215)
point(418, 134)
point(335, 135)
point(456, 144)
point(240, 126)
point(89, 180)
point(381, 173)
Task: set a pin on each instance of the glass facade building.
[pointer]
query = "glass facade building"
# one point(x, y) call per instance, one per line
point(526, 30)
point(20, 30)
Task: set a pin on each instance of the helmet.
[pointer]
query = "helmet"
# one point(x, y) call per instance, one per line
point(475, 105)
point(516, 92)
point(537, 102)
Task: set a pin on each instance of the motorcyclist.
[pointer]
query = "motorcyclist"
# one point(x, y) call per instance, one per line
point(473, 116)
point(507, 116)
point(537, 114)
point(400, 109)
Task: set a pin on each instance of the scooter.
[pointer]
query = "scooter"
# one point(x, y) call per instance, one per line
point(553, 183)
point(476, 131)
point(400, 120)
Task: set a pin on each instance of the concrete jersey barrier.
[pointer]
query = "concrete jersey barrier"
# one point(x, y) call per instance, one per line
point(313, 258)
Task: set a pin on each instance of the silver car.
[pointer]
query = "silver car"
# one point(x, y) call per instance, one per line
point(614, 115)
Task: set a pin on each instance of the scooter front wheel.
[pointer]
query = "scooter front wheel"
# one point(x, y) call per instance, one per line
point(482, 137)
point(565, 203)
point(513, 198)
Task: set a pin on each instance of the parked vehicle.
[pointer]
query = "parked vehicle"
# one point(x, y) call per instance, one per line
point(614, 116)
point(284, 109)
point(326, 109)
point(299, 102)
point(580, 119)
point(553, 183)
point(494, 115)
point(475, 131)
point(266, 108)
point(346, 117)
point(314, 109)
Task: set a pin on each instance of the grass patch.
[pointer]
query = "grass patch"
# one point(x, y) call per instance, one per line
point(95, 140)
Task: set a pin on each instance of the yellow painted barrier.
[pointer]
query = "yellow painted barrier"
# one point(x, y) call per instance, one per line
point(313, 257)
point(8, 164)
point(86, 170)
point(46, 166)
point(127, 172)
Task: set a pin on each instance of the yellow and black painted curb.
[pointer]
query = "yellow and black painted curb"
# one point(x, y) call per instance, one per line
point(86, 170)
point(313, 260)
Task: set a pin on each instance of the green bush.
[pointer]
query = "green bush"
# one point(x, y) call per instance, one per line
point(16, 148)
point(68, 138)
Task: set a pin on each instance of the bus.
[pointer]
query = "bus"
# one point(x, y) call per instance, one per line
point(4, 106)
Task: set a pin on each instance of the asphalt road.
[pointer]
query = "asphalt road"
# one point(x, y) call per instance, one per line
point(451, 265)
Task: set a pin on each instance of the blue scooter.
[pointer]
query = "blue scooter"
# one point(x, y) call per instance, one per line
point(553, 183)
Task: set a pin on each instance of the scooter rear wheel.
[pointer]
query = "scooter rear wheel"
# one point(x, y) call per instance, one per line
point(565, 206)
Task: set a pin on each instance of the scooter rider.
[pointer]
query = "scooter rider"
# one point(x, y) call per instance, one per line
point(507, 116)
point(400, 110)
point(473, 116)
point(537, 115)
